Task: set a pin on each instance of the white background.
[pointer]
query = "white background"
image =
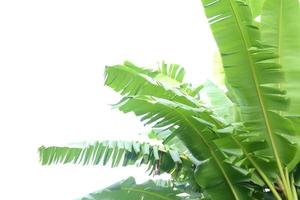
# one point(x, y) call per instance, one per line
point(52, 58)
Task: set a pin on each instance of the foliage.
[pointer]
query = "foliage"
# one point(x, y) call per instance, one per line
point(240, 144)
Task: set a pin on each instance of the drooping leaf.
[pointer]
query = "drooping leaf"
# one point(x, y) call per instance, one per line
point(114, 153)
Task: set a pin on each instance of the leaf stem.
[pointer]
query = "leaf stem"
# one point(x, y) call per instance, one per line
point(293, 187)
point(289, 192)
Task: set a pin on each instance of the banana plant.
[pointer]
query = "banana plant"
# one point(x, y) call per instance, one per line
point(237, 144)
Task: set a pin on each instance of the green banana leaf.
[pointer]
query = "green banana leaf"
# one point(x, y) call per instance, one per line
point(118, 153)
point(252, 76)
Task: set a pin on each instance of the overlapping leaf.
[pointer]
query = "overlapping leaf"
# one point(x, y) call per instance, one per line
point(194, 126)
point(253, 76)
